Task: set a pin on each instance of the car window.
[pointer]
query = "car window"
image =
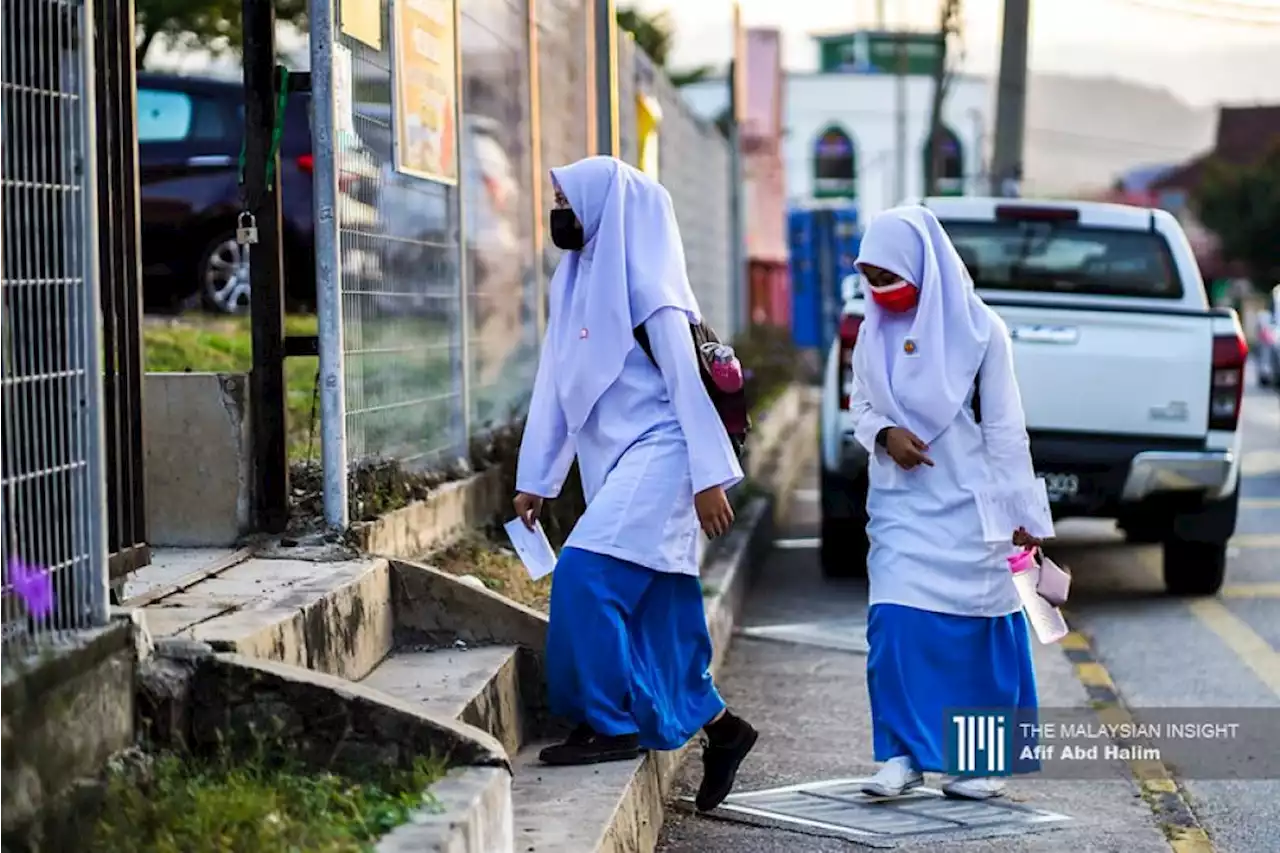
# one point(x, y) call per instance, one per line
point(163, 116)
point(1066, 258)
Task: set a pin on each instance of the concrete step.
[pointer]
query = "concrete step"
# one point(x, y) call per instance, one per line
point(600, 808)
point(479, 686)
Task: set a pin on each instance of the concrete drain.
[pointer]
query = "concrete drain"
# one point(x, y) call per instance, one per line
point(840, 808)
point(841, 636)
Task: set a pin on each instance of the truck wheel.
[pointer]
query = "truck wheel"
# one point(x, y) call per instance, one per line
point(843, 553)
point(1194, 568)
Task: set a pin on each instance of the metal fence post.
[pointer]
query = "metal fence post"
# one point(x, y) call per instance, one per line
point(97, 580)
point(333, 420)
point(464, 304)
point(266, 271)
point(606, 77)
point(535, 160)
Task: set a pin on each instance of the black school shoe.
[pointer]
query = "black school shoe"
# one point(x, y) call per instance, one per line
point(721, 758)
point(585, 746)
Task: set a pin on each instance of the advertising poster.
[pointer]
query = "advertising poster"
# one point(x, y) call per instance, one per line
point(362, 20)
point(426, 89)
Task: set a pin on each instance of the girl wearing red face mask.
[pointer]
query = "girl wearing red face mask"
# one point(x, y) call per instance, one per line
point(945, 625)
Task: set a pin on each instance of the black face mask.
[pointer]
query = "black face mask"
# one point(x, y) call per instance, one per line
point(566, 231)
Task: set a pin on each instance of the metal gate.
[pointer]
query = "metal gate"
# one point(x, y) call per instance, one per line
point(120, 285)
point(51, 473)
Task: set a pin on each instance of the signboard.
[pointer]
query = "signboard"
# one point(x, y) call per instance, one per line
point(877, 53)
point(362, 20)
point(835, 165)
point(425, 77)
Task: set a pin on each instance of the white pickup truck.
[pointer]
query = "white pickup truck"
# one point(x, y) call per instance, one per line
point(1131, 383)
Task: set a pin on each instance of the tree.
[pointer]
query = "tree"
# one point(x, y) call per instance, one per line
point(1241, 204)
point(655, 35)
point(213, 25)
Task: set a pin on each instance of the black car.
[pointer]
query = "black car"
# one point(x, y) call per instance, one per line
point(189, 140)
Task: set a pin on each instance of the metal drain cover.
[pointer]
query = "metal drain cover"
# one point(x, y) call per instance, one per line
point(840, 808)
point(841, 636)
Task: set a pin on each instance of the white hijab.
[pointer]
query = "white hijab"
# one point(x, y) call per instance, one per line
point(950, 329)
point(631, 265)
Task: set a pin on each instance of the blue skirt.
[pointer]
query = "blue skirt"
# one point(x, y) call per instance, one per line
point(628, 650)
point(925, 668)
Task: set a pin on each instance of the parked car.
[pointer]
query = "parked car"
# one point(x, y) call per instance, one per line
point(1267, 354)
point(189, 140)
point(190, 132)
point(1131, 383)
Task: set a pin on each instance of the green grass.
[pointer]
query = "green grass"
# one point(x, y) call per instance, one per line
point(203, 344)
point(402, 358)
point(182, 806)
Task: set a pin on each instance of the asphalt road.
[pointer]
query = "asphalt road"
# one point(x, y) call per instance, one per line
point(1214, 653)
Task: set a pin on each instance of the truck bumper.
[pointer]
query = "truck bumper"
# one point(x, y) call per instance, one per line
point(1160, 472)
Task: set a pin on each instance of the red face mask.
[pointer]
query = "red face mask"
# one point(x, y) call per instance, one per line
point(898, 298)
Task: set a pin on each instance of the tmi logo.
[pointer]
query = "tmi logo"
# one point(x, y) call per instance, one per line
point(979, 744)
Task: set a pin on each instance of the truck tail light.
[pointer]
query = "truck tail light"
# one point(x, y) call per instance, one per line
point(849, 326)
point(1230, 353)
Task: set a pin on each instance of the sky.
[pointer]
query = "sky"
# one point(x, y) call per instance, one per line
point(1205, 51)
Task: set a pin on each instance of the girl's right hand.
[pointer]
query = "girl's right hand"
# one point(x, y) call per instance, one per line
point(906, 449)
point(528, 507)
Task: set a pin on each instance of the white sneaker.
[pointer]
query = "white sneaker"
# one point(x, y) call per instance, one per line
point(966, 788)
point(895, 778)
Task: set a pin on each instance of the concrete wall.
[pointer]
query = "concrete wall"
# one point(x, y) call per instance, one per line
point(198, 460)
point(65, 713)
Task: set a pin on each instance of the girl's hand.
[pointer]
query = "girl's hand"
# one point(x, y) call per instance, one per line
point(1025, 540)
point(527, 507)
point(714, 512)
point(906, 449)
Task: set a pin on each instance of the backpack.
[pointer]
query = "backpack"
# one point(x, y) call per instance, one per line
point(719, 367)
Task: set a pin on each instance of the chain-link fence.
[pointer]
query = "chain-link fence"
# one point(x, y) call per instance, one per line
point(442, 285)
point(51, 476)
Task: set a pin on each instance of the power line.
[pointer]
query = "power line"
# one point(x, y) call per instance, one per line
point(1225, 13)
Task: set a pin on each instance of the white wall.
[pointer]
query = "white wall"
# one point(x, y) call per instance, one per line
point(865, 107)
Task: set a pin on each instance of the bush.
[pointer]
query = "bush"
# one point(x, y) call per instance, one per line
point(770, 360)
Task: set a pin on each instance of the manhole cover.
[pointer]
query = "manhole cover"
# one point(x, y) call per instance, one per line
point(841, 636)
point(839, 807)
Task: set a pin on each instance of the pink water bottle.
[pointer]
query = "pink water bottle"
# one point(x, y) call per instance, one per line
point(1023, 561)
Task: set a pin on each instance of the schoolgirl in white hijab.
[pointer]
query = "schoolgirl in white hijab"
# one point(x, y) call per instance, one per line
point(936, 404)
point(628, 650)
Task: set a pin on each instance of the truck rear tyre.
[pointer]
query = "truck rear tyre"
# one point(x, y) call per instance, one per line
point(1194, 568)
point(844, 548)
point(843, 552)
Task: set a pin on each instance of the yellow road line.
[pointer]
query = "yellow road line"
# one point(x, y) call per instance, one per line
point(1256, 652)
point(1252, 590)
point(1255, 540)
point(1159, 788)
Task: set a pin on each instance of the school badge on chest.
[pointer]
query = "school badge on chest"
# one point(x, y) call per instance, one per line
point(909, 346)
point(583, 334)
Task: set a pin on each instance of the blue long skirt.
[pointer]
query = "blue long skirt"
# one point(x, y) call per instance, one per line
point(923, 668)
point(628, 650)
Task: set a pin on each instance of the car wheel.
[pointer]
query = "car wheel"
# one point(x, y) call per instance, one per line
point(844, 547)
point(224, 275)
point(1194, 568)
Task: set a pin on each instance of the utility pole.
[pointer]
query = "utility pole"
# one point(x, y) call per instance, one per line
point(1011, 98)
point(900, 142)
point(266, 269)
point(941, 82)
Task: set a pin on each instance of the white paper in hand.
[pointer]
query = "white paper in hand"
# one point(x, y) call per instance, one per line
point(532, 547)
point(1004, 509)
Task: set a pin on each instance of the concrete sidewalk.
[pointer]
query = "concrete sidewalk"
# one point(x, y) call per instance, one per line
point(811, 707)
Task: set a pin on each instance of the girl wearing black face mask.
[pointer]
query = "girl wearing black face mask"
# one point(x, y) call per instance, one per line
point(566, 230)
point(627, 647)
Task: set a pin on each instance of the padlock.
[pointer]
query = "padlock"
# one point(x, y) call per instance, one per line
point(246, 229)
